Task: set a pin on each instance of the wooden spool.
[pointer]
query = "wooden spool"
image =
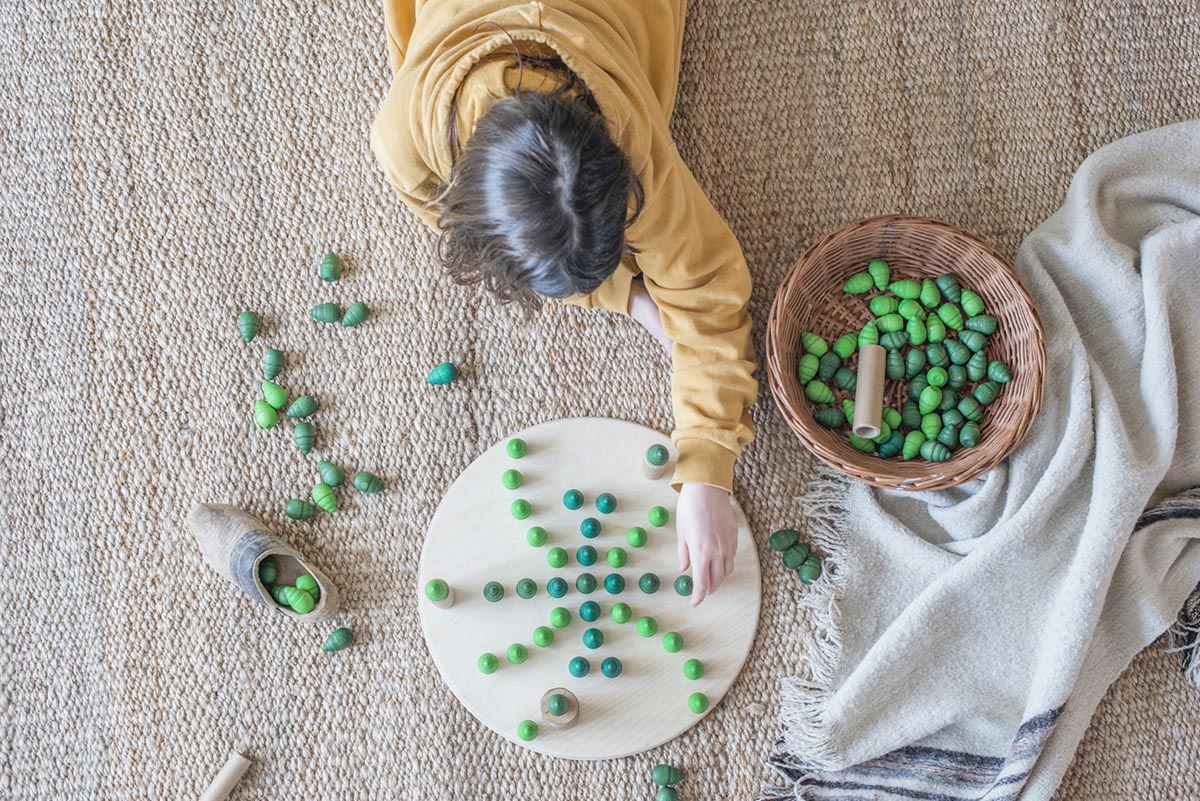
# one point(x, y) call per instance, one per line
point(811, 299)
point(570, 717)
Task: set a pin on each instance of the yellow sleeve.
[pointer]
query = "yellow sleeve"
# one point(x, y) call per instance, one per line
point(612, 295)
point(695, 271)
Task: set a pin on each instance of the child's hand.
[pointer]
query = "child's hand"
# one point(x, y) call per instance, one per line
point(707, 537)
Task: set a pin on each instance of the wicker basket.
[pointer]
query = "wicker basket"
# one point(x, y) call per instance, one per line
point(811, 299)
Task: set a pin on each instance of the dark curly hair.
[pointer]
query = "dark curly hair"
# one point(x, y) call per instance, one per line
point(539, 199)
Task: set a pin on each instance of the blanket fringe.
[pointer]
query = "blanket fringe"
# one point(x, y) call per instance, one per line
point(1185, 638)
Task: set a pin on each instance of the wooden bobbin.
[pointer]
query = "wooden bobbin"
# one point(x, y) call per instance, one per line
point(654, 471)
point(564, 721)
point(446, 602)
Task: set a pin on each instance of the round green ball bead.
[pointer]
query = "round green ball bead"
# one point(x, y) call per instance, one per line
point(672, 642)
point(557, 704)
point(527, 730)
point(557, 587)
point(698, 703)
point(606, 503)
point(683, 585)
point(616, 557)
point(536, 536)
point(614, 584)
point(511, 479)
point(517, 448)
point(579, 667)
point(647, 626)
point(611, 667)
point(517, 653)
point(488, 663)
point(658, 516)
point(436, 589)
point(593, 638)
point(556, 557)
point(543, 636)
point(636, 537)
point(590, 528)
point(493, 591)
point(589, 611)
point(573, 499)
point(586, 555)
point(560, 618)
point(693, 669)
point(620, 613)
point(521, 509)
point(585, 583)
point(649, 583)
point(526, 588)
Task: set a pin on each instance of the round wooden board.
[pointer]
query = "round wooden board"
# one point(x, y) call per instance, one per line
point(474, 539)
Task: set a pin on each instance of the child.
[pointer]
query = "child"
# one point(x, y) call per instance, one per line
point(534, 137)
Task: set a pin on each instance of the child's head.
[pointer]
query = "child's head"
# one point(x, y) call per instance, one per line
point(538, 201)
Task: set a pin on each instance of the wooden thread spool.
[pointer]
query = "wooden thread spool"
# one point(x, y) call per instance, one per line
point(564, 721)
point(654, 471)
point(868, 395)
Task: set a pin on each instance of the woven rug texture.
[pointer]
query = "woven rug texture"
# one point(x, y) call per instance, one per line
point(168, 164)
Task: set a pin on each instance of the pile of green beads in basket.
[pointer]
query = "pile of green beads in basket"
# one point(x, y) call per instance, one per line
point(936, 335)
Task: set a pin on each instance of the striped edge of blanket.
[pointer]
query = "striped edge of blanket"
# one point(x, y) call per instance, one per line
point(1185, 634)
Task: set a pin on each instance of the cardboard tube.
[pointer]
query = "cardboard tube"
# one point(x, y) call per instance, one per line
point(868, 397)
point(231, 773)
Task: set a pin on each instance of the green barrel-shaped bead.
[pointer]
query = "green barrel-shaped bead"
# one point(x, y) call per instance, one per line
point(614, 584)
point(657, 455)
point(526, 588)
point(911, 310)
point(892, 417)
point(864, 445)
point(892, 446)
point(277, 592)
point(977, 367)
point(935, 329)
point(300, 510)
point(936, 355)
point(998, 371)
point(444, 373)
point(672, 642)
point(355, 313)
point(557, 704)
point(910, 415)
point(858, 284)
point(883, 304)
point(516, 653)
point(666, 794)
point(264, 415)
point(846, 378)
point(300, 601)
point(956, 377)
point(916, 387)
point(931, 396)
point(948, 285)
point(810, 571)
point(819, 392)
point(543, 637)
point(666, 775)
point(930, 295)
point(487, 663)
point(611, 667)
point(953, 417)
point(931, 425)
point(698, 703)
point(367, 483)
point(493, 591)
point(969, 436)
point(305, 436)
point(586, 555)
point(606, 503)
point(648, 583)
point(339, 639)
point(658, 516)
point(868, 334)
point(268, 571)
point(436, 590)
point(848, 408)
point(322, 495)
point(556, 557)
point(983, 323)
point(527, 730)
point(948, 436)
point(249, 323)
point(986, 392)
point(951, 315)
point(845, 345)
point(636, 537)
point(827, 365)
point(807, 367)
point(516, 447)
point(511, 479)
point(971, 409)
point(302, 406)
point(783, 539)
point(579, 667)
point(813, 344)
point(894, 340)
point(330, 473)
point(683, 586)
point(912, 445)
point(894, 365)
point(958, 352)
point(917, 331)
point(830, 417)
point(331, 267)
point(693, 669)
point(889, 323)
point(972, 304)
point(593, 638)
point(794, 556)
point(885, 431)
point(973, 340)
point(647, 626)
point(620, 613)
point(881, 274)
point(585, 583)
point(934, 451)
point(272, 362)
point(306, 582)
point(325, 312)
point(907, 289)
point(557, 587)
point(949, 400)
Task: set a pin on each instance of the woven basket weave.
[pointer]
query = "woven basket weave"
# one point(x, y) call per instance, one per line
point(811, 299)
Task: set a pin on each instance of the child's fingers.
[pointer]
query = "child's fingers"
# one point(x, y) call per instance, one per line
point(700, 582)
point(728, 566)
point(681, 550)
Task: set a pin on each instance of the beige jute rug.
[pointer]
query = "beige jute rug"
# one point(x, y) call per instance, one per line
point(167, 164)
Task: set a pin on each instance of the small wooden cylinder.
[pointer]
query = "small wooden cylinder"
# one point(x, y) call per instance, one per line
point(446, 602)
point(868, 396)
point(227, 778)
point(564, 721)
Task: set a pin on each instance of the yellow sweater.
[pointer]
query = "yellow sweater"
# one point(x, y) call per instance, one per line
point(627, 53)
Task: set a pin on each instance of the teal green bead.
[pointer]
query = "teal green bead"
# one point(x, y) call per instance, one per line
point(672, 642)
point(274, 394)
point(511, 479)
point(973, 340)
point(818, 392)
point(998, 371)
point(986, 392)
point(930, 296)
point(910, 415)
point(579, 667)
point(807, 368)
point(557, 587)
point(300, 601)
point(268, 571)
point(951, 315)
point(894, 340)
point(830, 417)
point(683, 586)
point(517, 653)
point(890, 323)
point(302, 406)
point(526, 588)
point(516, 447)
point(912, 445)
point(930, 398)
point(914, 362)
point(948, 436)
point(956, 377)
point(666, 794)
point(827, 366)
point(272, 362)
point(810, 571)
point(367, 483)
point(556, 557)
point(935, 329)
point(693, 669)
point(893, 445)
point(325, 312)
point(934, 451)
point(949, 400)
point(813, 344)
point(560, 618)
point(953, 417)
point(636, 537)
point(948, 285)
point(845, 345)
point(884, 304)
point(487, 663)
point(589, 611)
point(614, 584)
point(593, 638)
point(881, 275)
point(606, 503)
point(300, 510)
point(590, 528)
point(586, 555)
point(616, 557)
point(620, 613)
point(557, 704)
point(666, 775)
point(265, 416)
point(339, 639)
point(585, 583)
point(972, 304)
point(971, 409)
point(894, 365)
point(983, 323)
point(969, 436)
point(846, 378)
point(657, 455)
point(527, 730)
point(793, 557)
point(573, 499)
point(611, 667)
point(330, 473)
point(658, 516)
point(937, 377)
point(331, 267)
point(959, 353)
point(305, 436)
point(647, 626)
point(858, 283)
point(493, 591)
point(648, 583)
point(520, 509)
point(906, 289)
point(536, 536)
point(868, 334)
point(442, 374)
point(783, 539)
point(916, 331)
point(355, 314)
point(249, 323)
point(977, 367)
point(936, 355)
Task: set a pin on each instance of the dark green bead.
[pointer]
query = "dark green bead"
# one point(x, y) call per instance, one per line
point(977, 367)
point(249, 324)
point(846, 378)
point(783, 539)
point(589, 611)
point(339, 639)
point(648, 583)
point(557, 587)
point(910, 415)
point(986, 392)
point(830, 417)
point(936, 354)
point(948, 436)
point(958, 352)
point(606, 503)
point(934, 451)
point(586, 555)
point(892, 446)
point(793, 557)
point(956, 377)
point(268, 571)
point(557, 704)
point(894, 366)
point(573, 499)
point(970, 409)
point(526, 588)
point(272, 362)
point(611, 667)
point(331, 267)
point(953, 417)
point(585, 583)
point(916, 387)
point(948, 285)
point(973, 340)
point(493, 591)
point(667, 775)
point(810, 571)
point(355, 314)
point(579, 667)
point(969, 436)
point(914, 362)
point(828, 365)
point(983, 323)
point(683, 585)
point(894, 340)
point(998, 371)
point(949, 400)
point(614, 584)
point(593, 638)
point(367, 483)
point(442, 374)
point(325, 312)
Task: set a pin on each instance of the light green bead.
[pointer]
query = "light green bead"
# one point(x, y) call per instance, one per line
point(912, 445)
point(869, 334)
point(355, 314)
point(858, 283)
point(636, 537)
point(931, 396)
point(807, 367)
point(658, 516)
point(951, 315)
point(527, 730)
point(911, 309)
point(647, 626)
point(672, 642)
point(322, 495)
point(620, 613)
point(307, 582)
point(698, 703)
point(536, 536)
point(890, 323)
point(937, 377)
point(274, 394)
point(516, 448)
point(560, 618)
point(931, 425)
point(521, 509)
point(907, 289)
point(436, 589)
point(883, 304)
point(511, 479)
point(930, 296)
point(516, 653)
point(935, 329)
point(543, 636)
point(265, 416)
point(487, 663)
point(305, 436)
point(881, 274)
point(819, 392)
point(556, 557)
point(616, 557)
point(300, 601)
point(693, 669)
point(845, 345)
point(325, 312)
point(917, 332)
point(813, 344)
point(972, 304)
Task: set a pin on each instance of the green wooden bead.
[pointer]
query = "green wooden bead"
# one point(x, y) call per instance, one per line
point(272, 362)
point(783, 539)
point(436, 589)
point(672, 642)
point(606, 503)
point(883, 304)
point(300, 510)
point(869, 334)
point(527, 730)
point(322, 495)
point(846, 378)
point(971, 409)
point(986, 392)
point(666, 775)
point(931, 425)
point(647, 626)
point(818, 392)
point(845, 345)
point(636, 537)
point(557, 587)
point(300, 601)
point(516, 447)
point(339, 639)
point(953, 417)
point(666, 794)
point(956, 377)
point(586, 555)
point(573, 499)
point(885, 432)
point(579, 667)
point(614, 584)
point(693, 669)
point(935, 329)
point(520, 509)
point(560, 618)
point(969, 436)
point(590, 527)
point(972, 304)
point(951, 316)
point(936, 355)
point(487, 663)
point(648, 583)
point(249, 323)
point(864, 445)
point(930, 398)
point(911, 310)
point(585, 583)
point(516, 653)
point(894, 340)
point(889, 323)
point(934, 451)
point(302, 406)
point(998, 371)
point(264, 415)
point(916, 387)
point(330, 473)
point(948, 436)
point(973, 340)
point(331, 267)
point(828, 365)
point(977, 367)
point(526, 588)
point(683, 586)
point(277, 592)
point(910, 415)
point(593, 638)
point(810, 571)
point(536, 536)
point(306, 582)
point(611, 667)
point(543, 637)
point(657, 455)
point(658, 516)
point(917, 332)
point(620, 613)
point(493, 591)
point(268, 571)
point(958, 352)
point(443, 373)
point(914, 362)
point(556, 557)
point(937, 377)
point(274, 394)
point(830, 417)
point(930, 295)
point(813, 344)
point(557, 705)
point(881, 274)
point(305, 436)
point(907, 289)
point(948, 284)
point(325, 312)
point(892, 446)
point(912, 445)
point(858, 283)
point(983, 323)
point(355, 314)
point(807, 367)
point(511, 479)
point(794, 556)
point(949, 400)
point(848, 408)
